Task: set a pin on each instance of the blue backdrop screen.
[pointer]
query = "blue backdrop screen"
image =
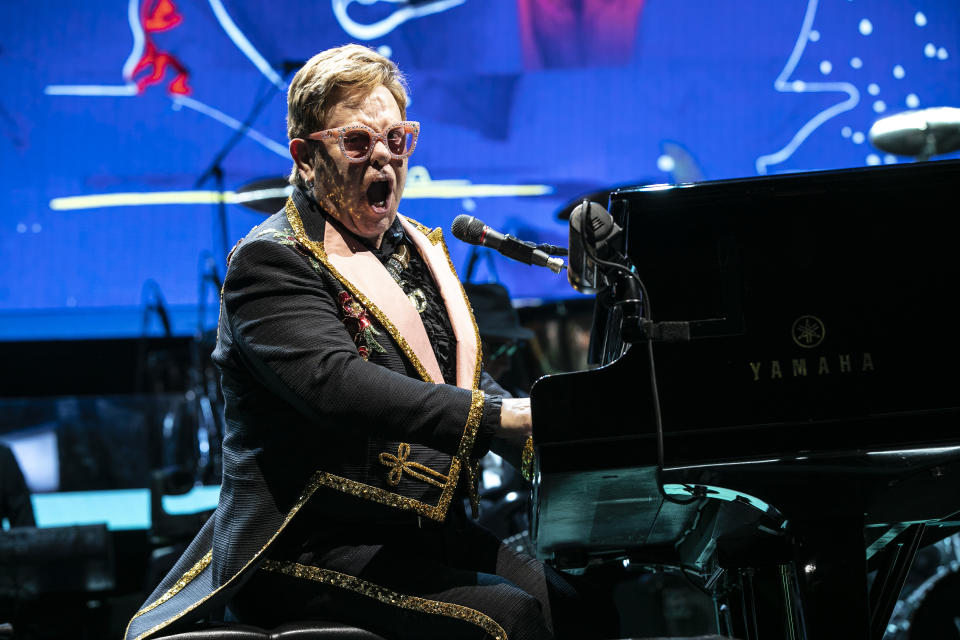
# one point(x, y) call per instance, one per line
point(114, 112)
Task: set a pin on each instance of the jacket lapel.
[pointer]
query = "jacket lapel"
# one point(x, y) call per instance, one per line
point(434, 253)
point(362, 274)
point(363, 270)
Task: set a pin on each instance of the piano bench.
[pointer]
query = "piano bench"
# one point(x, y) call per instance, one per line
point(306, 630)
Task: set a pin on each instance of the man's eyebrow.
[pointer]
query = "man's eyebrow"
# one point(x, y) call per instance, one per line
point(352, 104)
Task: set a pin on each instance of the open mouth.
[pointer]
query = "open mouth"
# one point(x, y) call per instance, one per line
point(378, 193)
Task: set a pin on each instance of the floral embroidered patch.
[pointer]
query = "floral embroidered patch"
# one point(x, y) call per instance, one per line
point(358, 323)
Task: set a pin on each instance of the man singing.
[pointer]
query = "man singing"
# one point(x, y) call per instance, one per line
point(356, 405)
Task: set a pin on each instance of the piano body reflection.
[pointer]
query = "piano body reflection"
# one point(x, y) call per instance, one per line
point(800, 354)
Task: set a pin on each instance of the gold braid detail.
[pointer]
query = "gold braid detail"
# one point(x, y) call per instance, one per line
point(436, 512)
point(401, 464)
point(473, 486)
point(358, 489)
point(386, 596)
point(178, 586)
point(473, 424)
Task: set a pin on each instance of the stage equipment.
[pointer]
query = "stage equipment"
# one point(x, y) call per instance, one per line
point(798, 430)
point(473, 231)
point(920, 134)
point(266, 196)
point(55, 559)
point(601, 197)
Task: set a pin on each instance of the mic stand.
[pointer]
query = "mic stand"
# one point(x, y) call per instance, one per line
point(204, 391)
point(625, 291)
point(208, 426)
point(475, 253)
point(215, 169)
point(628, 298)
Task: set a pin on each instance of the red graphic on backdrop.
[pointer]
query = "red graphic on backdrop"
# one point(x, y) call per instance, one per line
point(157, 16)
point(162, 17)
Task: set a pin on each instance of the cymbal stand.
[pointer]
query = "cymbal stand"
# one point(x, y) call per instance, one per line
point(215, 168)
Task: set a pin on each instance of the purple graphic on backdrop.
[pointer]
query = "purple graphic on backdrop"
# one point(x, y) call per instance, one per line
point(577, 33)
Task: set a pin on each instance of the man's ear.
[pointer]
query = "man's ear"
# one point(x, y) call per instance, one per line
point(300, 152)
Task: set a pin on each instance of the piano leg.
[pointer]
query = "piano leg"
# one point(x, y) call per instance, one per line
point(759, 603)
point(832, 575)
point(891, 576)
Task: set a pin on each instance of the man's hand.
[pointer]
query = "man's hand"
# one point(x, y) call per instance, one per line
point(516, 423)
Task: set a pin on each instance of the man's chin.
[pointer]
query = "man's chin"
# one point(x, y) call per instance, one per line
point(374, 221)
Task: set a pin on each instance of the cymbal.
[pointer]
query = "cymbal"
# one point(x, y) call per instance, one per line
point(600, 197)
point(266, 196)
point(923, 133)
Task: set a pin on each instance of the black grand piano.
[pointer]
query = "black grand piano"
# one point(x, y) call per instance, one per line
point(779, 414)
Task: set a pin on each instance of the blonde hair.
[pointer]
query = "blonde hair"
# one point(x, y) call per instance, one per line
point(318, 85)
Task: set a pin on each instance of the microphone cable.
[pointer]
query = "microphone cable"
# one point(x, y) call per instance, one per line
point(648, 317)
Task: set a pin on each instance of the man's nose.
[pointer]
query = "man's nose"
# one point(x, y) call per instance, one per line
point(380, 155)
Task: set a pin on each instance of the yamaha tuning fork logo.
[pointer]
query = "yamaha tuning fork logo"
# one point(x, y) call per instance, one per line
point(808, 331)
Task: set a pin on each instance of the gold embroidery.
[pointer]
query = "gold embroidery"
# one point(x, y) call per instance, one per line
point(316, 248)
point(473, 487)
point(422, 228)
point(377, 592)
point(400, 465)
point(311, 488)
point(375, 494)
point(191, 573)
point(436, 512)
point(526, 460)
point(473, 424)
point(435, 236)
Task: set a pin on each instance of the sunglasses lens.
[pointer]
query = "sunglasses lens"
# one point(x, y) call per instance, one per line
point(399, 140)
point(356, 143)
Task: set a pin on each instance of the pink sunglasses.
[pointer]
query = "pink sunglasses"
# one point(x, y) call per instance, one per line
point(357, 141)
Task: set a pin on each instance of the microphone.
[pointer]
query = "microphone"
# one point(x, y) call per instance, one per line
point(591, 239)
point(473, 231)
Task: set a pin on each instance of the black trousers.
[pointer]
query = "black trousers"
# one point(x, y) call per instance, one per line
point(446, 581)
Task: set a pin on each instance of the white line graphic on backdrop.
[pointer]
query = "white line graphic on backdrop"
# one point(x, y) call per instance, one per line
point(784, 85)
point(233, 123)
point(133, 17)
point(128, 89)
point(419, 185)
point(234, 33)
point(391, 22)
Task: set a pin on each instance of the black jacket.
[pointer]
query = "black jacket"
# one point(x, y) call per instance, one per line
point(310, 420)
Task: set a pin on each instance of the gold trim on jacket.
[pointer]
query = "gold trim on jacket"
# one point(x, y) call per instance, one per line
point(387, 596)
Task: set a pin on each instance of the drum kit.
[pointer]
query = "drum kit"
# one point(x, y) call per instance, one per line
point(921, 134)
